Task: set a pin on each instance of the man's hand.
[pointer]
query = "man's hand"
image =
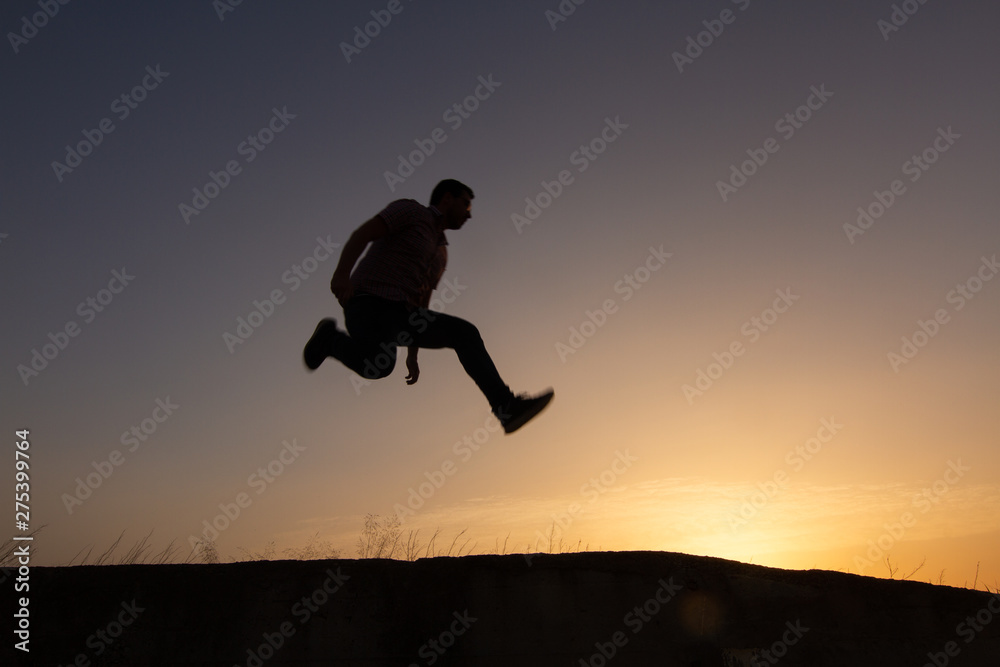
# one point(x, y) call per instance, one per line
point(412, 365)
point(341, 287)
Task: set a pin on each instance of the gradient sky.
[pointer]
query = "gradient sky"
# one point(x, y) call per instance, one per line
point(902, 451)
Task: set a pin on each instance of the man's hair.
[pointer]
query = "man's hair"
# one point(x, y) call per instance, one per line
point(452, 187)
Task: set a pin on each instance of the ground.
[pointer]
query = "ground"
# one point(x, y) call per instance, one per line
point(595, 608)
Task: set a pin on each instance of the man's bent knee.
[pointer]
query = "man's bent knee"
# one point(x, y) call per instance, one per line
point(379, 367)
point(467, 331)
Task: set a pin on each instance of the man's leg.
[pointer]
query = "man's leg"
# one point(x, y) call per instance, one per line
point(370, 349)
point(377, 327)
point(374, 326)
point(435, 330)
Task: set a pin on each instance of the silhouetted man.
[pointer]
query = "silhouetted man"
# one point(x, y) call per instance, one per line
point(386, 297)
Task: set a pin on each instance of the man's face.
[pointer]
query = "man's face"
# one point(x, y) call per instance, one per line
point(456, 210)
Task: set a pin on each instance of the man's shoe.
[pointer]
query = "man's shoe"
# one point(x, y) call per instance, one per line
point(521, 409)
point(316, 350)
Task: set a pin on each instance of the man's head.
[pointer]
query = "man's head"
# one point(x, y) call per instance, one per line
point(454, 200)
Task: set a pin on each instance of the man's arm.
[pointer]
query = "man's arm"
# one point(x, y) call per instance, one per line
point(370, 231)
point(412, 365)
point(425, 301)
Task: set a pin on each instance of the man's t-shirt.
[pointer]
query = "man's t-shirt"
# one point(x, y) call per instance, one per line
point(407, 263)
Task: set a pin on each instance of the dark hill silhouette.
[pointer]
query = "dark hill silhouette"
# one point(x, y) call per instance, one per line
point(594, 608)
